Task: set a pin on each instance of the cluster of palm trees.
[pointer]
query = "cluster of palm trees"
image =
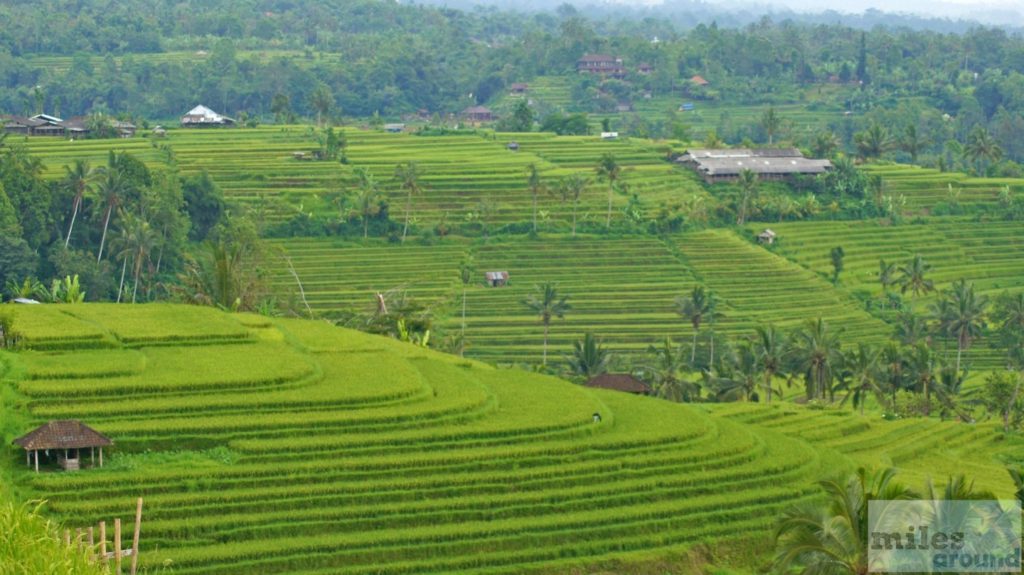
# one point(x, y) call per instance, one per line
point(979, 149)
point(812, 353)
point(110, 188)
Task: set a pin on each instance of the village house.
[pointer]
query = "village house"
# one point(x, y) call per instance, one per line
point(623, 382)
point(644, 69)
point(63, 442)
point(601, 64)
point(478, 114)
point(518, 88)
point(201, 116)
point(699, 81)
point(725, 165)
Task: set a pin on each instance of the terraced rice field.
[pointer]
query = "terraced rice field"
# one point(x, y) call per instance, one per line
point(281, 446)
point(256, 168)
point(621, 289)
point(923, 188)
point(288, 450)
point(989, 254)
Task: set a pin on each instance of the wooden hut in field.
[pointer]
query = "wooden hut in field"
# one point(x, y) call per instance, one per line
point(67, 440)
point(767, 236)
point(620, 382)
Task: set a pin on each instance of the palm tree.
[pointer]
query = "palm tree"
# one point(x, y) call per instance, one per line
point(322, 101)
point(886, 275)
point(962, 316)
point(770, 347)
point(137, 242)
point(571, 188)
point(369, 198)
point(873, 142)
point(982, 148)
point(547, 303)
point(696, 308)
point(536, 187)
point(408, 177)
point(912, 142)
point(740, 377)
point(892, 369)
point(834, 539)
point(911, 328)
point(111, 189)
point(912, 277)
point(771, 122)
point(666, 371)
point(748, 188)
point(610, 170)
point(817, 352)
point(79, 178)
point(588, 358)
point(862, 365)
point(825, 145)
point(925, 368)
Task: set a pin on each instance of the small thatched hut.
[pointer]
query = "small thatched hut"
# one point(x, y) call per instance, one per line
point(67, 438)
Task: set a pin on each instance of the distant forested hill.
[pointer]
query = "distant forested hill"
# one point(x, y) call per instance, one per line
point(267, 58)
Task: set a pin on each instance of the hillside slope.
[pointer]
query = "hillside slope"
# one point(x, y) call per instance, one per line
point(288, 446)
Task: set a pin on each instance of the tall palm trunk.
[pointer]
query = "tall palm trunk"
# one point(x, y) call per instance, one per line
point(693, 348)
point(366, 226)
point(535, 211)
point(103, 240)
point(120, 287)
point(768, 387)
point(544, 360)
point(574, 219)
point(408, 206)
point(608, 221)
point(74, 214)
point(461, 351)
point(138, 270)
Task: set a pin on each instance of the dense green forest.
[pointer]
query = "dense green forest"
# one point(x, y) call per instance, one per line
point(272, 60)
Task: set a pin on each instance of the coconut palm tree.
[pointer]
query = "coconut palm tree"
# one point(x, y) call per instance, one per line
point(770, 346)
point(547, 303)
point(817, 353)
point(924, 369)
point(740, 377)
point(834, 539)
point(912, 277)
point(911, 142)
point(368, 199)
point(961, 314)
point(571, 188)
point(111, 189)
point(667, 372)
point(873, 142)
point(589, 358)
point(138, 241)
point(825, 145)
point(533, 180)
point(886, 275)
point(892, 370)
point(79, 178)
point(862, 367)
point(322, 100)
point(609, 169)
point(771, 122)
point(748, 189)
point(981, 148)
point(408, 176)
point(696, 308)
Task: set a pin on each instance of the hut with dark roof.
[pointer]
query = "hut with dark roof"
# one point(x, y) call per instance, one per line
point(620, 382)
point(67, 439)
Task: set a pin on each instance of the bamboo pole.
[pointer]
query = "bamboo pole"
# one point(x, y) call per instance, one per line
point(78, 538)
point(67, 538)
point(135, 538)
point(103, 542)
point(92, 542)
point(117, 546)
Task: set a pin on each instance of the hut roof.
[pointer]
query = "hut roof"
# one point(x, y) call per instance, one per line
point(489, 276)
point(598, 58)
point(477, 110)
point(63, 434)
point(698, 80)
point(619, 382)
point(767, 233)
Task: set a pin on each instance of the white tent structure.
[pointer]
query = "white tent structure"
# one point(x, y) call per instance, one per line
point(203, 116)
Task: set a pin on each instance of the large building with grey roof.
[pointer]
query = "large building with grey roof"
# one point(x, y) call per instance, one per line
point(725, 165)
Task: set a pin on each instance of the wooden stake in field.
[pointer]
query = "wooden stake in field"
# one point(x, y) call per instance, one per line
point(103, 542)
point(135, 538)
point(117, 546)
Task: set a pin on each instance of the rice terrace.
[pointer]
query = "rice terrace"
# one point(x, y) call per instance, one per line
point(366, 287)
